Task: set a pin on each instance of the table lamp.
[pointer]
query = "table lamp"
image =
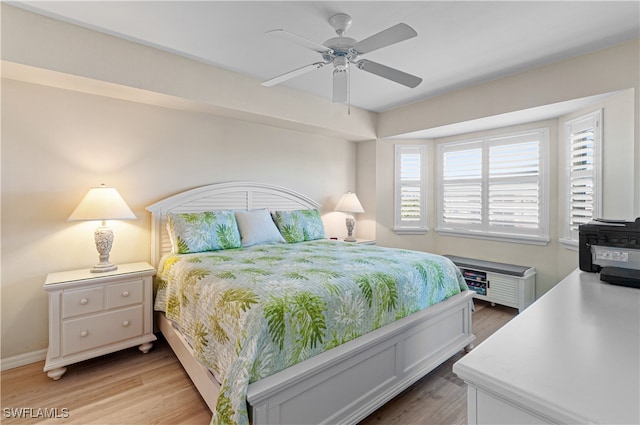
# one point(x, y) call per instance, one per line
point(102, 203)
point(349, 204)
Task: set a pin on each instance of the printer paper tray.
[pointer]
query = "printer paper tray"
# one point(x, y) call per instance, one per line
point(620, 276)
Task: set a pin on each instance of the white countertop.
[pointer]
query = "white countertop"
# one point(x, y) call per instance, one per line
point(572, 356)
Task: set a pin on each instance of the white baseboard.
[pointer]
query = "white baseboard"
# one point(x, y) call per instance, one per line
point(23, 359)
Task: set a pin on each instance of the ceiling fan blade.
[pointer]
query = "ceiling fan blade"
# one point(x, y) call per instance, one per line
point(291, 74)
point(391, 35)
point(300, 40)
point(340, 86)
point(389, 73)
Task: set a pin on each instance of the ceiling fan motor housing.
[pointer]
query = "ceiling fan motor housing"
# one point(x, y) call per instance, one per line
point(341, 50)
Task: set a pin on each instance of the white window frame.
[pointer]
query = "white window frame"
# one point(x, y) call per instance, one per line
point(591, 120)
point(402, 226)
point(483, 228)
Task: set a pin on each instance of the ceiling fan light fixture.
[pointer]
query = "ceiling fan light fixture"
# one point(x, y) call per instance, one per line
point(340, 86)
point(341, 63)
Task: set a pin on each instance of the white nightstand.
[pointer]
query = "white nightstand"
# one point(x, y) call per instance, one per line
point(91, 314)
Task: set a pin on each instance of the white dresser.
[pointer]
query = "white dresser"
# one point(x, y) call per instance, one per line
point(572, 357)
point(91, 314)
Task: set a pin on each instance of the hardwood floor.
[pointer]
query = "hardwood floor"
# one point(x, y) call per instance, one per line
point(129, 387)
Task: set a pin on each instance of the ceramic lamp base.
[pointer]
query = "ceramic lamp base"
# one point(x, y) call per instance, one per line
point(351, 224)
point(104, 240)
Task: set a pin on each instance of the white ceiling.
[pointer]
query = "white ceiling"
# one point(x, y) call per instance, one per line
point(458, 44)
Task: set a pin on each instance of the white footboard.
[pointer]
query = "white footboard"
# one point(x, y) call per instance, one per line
point(349, 382)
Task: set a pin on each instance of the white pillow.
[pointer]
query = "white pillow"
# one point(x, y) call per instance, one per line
point(257, 227)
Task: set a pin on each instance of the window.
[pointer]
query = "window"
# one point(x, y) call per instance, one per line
point(410, 189)
point(495, 187)
point(582, 177)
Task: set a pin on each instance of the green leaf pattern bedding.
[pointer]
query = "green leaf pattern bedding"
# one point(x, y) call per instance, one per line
point(252, 312)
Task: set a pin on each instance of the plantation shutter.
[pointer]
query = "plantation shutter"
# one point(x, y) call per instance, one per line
point(514, 192)
point(583, 135)
point(495, 187)
point(462, 185)
point(410, 188)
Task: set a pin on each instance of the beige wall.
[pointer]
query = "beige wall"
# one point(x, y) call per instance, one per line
point(56, 144)
point(366, 185)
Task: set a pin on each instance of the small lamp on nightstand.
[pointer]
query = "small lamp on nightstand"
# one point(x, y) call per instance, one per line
point(102, 203)
point(350, 204)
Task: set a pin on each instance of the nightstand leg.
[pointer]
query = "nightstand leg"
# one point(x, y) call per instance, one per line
point(145, 347)
point(56, 374)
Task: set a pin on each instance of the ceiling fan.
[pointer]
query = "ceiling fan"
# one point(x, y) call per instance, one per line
point(343, 51)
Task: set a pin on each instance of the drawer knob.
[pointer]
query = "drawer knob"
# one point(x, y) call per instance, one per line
point(125, 294)
point(84, 333)
point(84, 301)
point(125, 323)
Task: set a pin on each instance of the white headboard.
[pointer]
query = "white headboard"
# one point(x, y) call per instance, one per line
point(220, 196)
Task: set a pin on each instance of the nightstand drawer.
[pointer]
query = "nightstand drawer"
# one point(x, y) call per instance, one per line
point(83, 301)
point(101, 329)
point(126, 293)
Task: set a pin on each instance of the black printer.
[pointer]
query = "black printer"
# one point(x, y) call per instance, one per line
point(612, 248)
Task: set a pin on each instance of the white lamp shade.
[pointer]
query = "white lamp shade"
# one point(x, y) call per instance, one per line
point(102, 203)
point(349, 203)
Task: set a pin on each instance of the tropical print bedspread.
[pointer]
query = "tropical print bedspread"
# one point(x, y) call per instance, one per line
point(252, 312)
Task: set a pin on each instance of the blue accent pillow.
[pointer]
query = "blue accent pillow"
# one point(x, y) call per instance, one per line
point(299, 225)
point(203, 231)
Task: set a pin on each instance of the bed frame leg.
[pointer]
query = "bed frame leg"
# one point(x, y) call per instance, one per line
point(469, 348)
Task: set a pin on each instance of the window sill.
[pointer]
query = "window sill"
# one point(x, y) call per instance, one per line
point(408, 231)
point(523, 239)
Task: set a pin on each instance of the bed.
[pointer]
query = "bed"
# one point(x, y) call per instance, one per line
point(356, 374)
